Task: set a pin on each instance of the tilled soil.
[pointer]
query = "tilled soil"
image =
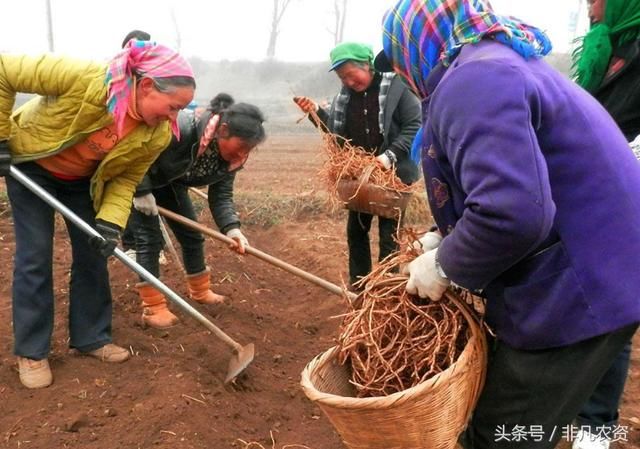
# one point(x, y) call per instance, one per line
point(171, 394)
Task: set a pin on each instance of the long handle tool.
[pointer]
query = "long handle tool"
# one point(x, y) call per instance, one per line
point(333, 288)
point(243, 355)
point(169, 243)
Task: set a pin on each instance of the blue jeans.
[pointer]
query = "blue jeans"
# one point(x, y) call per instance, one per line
point(33, 300)
point(600, 412)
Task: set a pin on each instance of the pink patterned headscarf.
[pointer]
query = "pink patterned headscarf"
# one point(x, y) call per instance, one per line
point(209, 132)
point(145, 58)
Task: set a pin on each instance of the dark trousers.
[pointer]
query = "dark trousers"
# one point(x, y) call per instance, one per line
point(128, 239)
point(600, 412)
point(148, 236)
point(530, 398)
point(358, 227)
point(33, 301)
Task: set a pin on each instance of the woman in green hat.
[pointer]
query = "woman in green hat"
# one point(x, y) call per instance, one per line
point(378, 112)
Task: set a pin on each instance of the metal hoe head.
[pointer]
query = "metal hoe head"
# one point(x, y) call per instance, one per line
point(239, 361)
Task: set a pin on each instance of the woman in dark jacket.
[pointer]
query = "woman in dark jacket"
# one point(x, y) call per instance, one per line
point(611, 72)
point(210, 152)
point(378, 112)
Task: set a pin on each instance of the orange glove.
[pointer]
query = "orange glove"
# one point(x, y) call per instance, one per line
point(306, 104)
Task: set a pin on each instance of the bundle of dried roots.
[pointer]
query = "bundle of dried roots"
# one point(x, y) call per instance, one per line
point(346, 161)
point(394, 340)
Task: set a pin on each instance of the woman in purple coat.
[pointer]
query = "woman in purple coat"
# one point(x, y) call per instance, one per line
point(535, 192)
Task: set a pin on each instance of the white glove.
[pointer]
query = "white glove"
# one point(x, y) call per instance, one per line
point(431, 240)
point(146, 204)
point(241, 241)
point(384, 160)
point(635, 146)
point(424, 279)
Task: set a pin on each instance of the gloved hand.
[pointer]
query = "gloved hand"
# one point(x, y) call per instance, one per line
point(5, 158)
point(424, 279)
point(431, 240)
point(306, 104)
point(241, 241)
point(146, 204)
point(110, 236)
point(635, 146)
point(384, 161)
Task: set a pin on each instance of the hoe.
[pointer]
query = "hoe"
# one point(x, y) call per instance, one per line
point(243, 355)
point(333, 288)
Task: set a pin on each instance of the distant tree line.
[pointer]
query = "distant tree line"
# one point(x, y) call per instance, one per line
point(271, 84)
point(278, 10)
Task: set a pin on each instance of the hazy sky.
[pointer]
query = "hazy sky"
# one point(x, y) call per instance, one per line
point(231, 29)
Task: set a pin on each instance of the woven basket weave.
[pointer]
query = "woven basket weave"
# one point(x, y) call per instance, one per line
point(361, 195)
point(430, 415)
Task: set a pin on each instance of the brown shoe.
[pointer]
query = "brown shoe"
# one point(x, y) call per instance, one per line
point(109, 353)
point(34, 373)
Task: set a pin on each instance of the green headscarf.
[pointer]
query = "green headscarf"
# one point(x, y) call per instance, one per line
point(591, 58)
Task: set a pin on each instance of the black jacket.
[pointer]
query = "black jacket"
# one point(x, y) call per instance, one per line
point(619, 93)
point(178, 161)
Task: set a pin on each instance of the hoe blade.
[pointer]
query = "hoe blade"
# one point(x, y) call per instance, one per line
point(239, 361)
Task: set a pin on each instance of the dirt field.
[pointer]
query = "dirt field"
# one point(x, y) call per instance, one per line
point(171, 393)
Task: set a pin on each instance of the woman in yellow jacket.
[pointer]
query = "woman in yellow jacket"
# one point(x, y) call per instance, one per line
point(88, 139)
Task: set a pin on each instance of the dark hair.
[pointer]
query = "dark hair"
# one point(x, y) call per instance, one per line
point(136, 34)
point(169, 83)
point(245, 121)
point(220, 102)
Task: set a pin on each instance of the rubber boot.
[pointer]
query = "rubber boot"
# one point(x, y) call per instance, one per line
point(154, 308)
point(199, 288)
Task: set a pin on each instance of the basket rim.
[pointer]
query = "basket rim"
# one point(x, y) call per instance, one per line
point(397, 398)
point(375, 186)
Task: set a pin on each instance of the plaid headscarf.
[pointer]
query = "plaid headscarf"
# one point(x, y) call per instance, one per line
point(208, 133)
point(418, 34)
point(591, 58)
point(144, 58)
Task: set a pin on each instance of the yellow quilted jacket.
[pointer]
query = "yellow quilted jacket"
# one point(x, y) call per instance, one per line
point(70, 106)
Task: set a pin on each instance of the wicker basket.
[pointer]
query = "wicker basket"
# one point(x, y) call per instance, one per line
point(362, 196)
point(430, 415)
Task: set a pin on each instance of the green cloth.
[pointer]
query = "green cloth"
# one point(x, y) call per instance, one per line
point(591, 58)
point(351, 51)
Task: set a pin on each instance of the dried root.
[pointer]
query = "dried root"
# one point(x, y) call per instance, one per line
point(394, 340)
point(256, 445)
point(346, 161)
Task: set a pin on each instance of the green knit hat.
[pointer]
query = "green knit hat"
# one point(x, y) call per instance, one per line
point(350, 51)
